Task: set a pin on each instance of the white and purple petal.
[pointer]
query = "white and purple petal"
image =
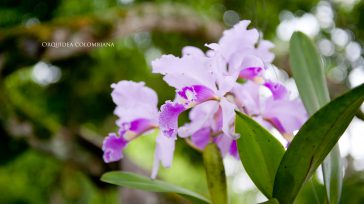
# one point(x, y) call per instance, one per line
point(279, 91)
point(227, 146)
point(113, 147)
point(191, 69)
point(202, 137)
point(239, 42)
point(263, 51)
point(195, 94)
point(163, 153)
point(238, 39)
point(127, 96)
point(168, 118)
point(228, 117)
point(247, 97)
point(251, 72)
point(285, 115)
point(200, 116)
point(137, 127)
point(233, 151)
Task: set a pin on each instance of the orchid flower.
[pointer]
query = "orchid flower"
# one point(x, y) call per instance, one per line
point(242, 49)
point(206, 84)
point(275, 110)
point(206, 80)
point(136, 108)
point(200, 77)
point(135, 116)
point(205, 127)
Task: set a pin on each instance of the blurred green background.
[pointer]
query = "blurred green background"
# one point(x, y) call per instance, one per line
point(55, 103)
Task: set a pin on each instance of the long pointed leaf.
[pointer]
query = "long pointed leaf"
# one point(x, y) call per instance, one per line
point(332, 169)
point(260, 152)
point(310, 78)
point(308, 72)
point(313, 142)
point(131, 180)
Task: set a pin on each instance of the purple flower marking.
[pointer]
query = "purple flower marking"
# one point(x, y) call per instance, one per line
point(137, 127)
point(113, 146)
point(278, 110)
point(196, 94)
point(202, 137)
point(136, 116)
point(278, 90)
point(168, 118)
point(234, 149)
point(250, 72)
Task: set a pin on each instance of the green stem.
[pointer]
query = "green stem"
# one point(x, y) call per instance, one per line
point(215, 173)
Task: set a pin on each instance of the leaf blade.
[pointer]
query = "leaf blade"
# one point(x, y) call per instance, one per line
point(309, 74)
point(259, 152)
point(135, 181)
point(313, 142)
point(332, 170)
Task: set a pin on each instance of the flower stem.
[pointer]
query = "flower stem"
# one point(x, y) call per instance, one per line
point(215, 174)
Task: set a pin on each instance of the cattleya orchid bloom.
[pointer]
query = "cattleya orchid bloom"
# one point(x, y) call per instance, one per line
point(276, 110)
point(200, 78)
point(207, 86)
point(135, 116)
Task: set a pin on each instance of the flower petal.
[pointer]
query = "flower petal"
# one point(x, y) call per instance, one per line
point(238, 39)
point(263, 122)
point(228, 117)
point(188, 70)
point(163, 153)
point(241, 40)
point(251, 72)
point(168, 118)
point(278, 90)
point(136, 128)
point(263, 51)
point(240, 62)
point(127, 94)
point(285, 115)
point(195, 94)
point(247, 97)
point(202, 137)
point(227, 145)
point(201, 116)
point(191, 50)
point(113, 147)
point(234, 150)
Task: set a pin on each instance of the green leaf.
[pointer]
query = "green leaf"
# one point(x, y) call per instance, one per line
point(260, 152)
point(215, 173)
point(313, 142)
point(309, 74)
point(131, 180)
point(333, 174)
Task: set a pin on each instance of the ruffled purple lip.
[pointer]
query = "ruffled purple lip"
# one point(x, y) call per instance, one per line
point(113, 146)
point(251, 72)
